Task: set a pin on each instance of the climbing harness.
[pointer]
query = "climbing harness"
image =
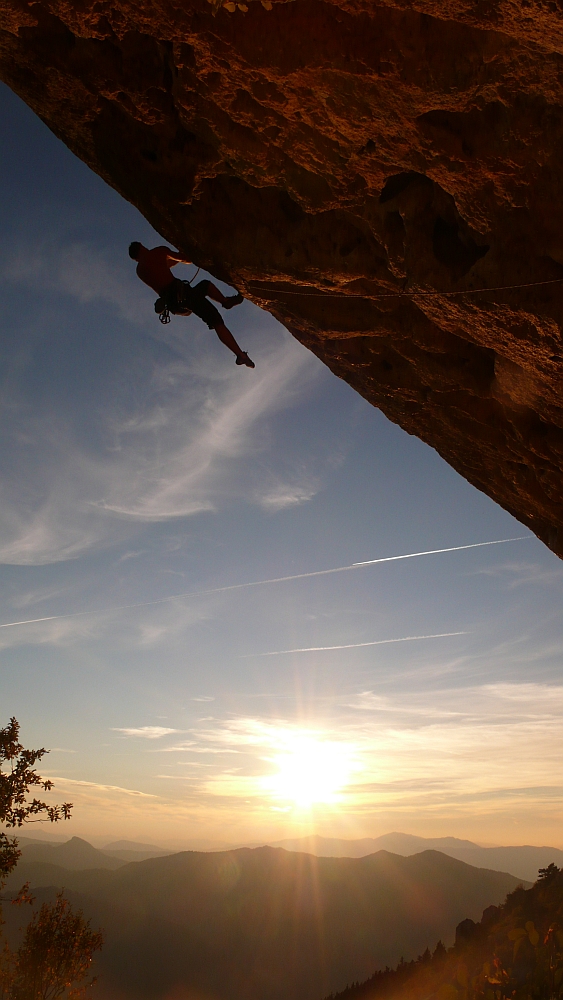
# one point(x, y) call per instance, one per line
point(404, 294)
point(164, 313)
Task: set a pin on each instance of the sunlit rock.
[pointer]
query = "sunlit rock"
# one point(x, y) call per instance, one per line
point(340, 150)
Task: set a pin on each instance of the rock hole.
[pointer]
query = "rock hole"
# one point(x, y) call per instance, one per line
point(394, 225)
point(292, 211)
point(398, 183)
point(459, 255)
point(148, 154)
point(181, 140)
point(349, 247)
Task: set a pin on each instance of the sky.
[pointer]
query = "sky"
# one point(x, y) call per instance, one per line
point(198, 676)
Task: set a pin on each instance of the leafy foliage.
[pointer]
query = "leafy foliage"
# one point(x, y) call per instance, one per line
point(516, 952)
point(55, 956)
point(15, 808)
point(15, 783)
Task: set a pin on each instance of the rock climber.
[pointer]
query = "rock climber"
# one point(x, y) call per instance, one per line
point(179, 298)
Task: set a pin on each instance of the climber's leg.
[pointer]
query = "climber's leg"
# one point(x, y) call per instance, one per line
point(202, 307)
point(226, 338)
point(227, 301)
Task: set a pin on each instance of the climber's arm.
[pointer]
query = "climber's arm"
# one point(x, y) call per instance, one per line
point(177, 258)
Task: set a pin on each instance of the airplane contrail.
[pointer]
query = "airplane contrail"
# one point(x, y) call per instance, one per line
point(262, 583)
point(354, 645)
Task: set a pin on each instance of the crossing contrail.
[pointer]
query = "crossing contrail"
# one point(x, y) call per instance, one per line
point(354, 645)
point(262, 583)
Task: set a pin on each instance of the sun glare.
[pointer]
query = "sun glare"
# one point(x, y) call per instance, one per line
point(310, 770)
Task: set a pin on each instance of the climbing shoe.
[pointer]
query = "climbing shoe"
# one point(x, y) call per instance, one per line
point(243, 359)
point(233, 300)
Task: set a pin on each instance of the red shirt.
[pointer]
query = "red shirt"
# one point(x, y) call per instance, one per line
point(154, 267)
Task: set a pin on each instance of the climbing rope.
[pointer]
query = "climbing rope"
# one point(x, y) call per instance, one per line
point(404, 295)
point(195, 276)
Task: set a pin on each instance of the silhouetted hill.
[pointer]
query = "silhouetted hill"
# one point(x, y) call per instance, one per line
point(267, 924)
point(522, 862)
point(516, 951)
point(75, 854)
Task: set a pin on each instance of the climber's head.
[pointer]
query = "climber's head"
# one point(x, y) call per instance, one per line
point(134, 250)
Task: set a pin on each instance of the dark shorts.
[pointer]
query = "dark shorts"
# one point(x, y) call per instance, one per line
point(182, 300)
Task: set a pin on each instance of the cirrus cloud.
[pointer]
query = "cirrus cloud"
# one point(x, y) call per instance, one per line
point(146, 732)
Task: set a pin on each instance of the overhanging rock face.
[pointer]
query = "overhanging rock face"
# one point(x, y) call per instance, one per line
point(345, 150)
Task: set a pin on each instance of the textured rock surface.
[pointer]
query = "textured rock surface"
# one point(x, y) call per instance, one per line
point(342, 149)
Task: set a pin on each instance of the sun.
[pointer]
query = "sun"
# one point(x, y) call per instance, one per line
point(310, 771)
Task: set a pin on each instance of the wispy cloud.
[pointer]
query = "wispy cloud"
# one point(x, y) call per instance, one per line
point(167, 621)
point(97, 786)
point(523, 573)
point(190, 478)
point(145, 732)
point(173, 458)
point(78, 270)
point(98, 800)
point(61, 632)
point(447, 759)
point(482, 744)
point(39, 595)
point(286, 494)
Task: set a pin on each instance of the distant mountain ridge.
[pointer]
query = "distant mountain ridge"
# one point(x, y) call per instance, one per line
point(523, 862)
point(265, 923)
point(75, 854)
point(130, 850)
point(397, 843)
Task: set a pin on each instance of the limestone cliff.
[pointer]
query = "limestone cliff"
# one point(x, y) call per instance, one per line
point(318, 155)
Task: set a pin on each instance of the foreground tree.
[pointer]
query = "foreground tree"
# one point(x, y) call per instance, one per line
point(16, 808)
point(55, 956)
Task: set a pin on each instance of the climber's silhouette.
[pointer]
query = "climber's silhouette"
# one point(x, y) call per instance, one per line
point(180, 298)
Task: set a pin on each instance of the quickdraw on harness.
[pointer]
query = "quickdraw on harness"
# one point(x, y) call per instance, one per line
point(161, 306)
point(164, 316)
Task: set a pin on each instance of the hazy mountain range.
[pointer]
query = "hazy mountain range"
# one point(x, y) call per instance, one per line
point(79, 854)
point(263, 923)
point(522, 862)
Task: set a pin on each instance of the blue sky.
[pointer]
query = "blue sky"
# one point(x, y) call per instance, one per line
point(138, 463)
